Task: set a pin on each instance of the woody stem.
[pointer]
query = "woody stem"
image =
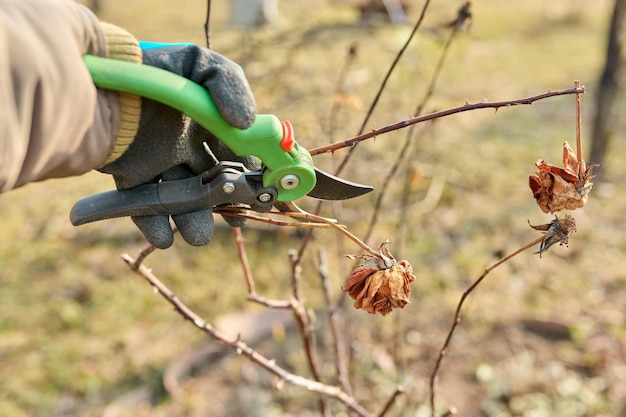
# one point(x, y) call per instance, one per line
point(457, 316)
point(341, 229)
point(443, 113)
point(579, 142)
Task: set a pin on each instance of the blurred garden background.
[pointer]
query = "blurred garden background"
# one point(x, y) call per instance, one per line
point(82, 335)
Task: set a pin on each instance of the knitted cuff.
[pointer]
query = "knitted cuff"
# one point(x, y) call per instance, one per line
point(123, 46)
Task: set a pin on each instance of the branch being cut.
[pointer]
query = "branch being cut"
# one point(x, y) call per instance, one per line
point(436, 115)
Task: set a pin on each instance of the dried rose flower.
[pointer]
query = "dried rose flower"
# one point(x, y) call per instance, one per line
point(557, 188)
point(557, 231)
point(381, 284)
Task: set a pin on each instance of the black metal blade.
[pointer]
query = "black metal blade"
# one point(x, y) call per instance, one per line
point(329, 187)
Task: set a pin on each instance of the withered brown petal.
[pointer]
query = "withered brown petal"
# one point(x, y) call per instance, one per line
point(381, 290)
point(540, 184)
point(367, 298)
point(557, 188)
point(554, 193)
point(357, 282)
point(566, 195)
point(570, 160)
point(562, 172)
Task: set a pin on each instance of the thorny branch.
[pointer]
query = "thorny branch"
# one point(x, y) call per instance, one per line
point(457, 317)
point(436, 115)
point(242, 348)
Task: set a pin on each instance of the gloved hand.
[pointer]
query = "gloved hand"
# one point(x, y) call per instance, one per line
point(169, 146)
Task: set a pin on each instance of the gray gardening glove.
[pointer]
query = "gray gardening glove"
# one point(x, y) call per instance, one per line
point(168, 146)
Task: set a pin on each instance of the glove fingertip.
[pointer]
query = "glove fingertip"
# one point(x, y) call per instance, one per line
point(235, 221)
point(196, 227)
point(240, 115)
point(233, 98)
point(156, 230)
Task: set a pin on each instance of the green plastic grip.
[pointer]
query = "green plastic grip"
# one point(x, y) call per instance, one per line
point(289, 167)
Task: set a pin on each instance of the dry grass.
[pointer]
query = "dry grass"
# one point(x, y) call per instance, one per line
point(78, 329)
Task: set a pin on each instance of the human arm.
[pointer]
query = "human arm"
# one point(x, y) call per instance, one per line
point(144, 141)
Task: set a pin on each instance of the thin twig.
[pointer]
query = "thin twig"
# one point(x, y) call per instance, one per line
point(243, 257)
point(303, 320)
point(207, 28)
point(433, 82)
point(143, 255)
point(242, 348)
point(335, 226)
point(296, 272)
point(381, 195)
point(399, 390)
point(331, 310)
point(404, 151)
point(147, 251)
point(345, 160)
point(340, 88)
point(295, 304)
point(579, 142)
point(236, 212)
point(247, 272)
point(457, 316)
point(431, 116)
point(429, 202)
point(269, 303)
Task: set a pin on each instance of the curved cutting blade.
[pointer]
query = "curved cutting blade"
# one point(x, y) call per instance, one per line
point(329, 187)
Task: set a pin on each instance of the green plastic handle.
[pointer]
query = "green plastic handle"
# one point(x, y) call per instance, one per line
point(289, 167)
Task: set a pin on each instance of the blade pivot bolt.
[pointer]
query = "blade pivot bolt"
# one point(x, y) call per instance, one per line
point(289, 181)
point(228, 187)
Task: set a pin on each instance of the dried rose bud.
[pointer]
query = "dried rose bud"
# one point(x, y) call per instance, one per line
point(381, 284)
point(557, 231)
point(557, 188)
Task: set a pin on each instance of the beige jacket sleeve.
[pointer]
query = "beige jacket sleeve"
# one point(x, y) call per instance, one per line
point(53, 121)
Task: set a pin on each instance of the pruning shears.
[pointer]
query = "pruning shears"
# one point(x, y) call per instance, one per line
point(288, 172)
